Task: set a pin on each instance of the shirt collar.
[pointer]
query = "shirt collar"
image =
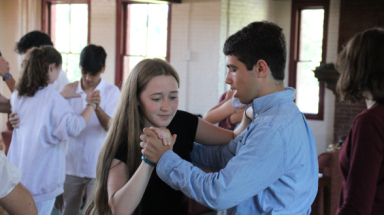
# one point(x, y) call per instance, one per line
point(265, 102)
point(100, 87)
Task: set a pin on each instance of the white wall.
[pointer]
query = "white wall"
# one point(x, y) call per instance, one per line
point(323, 130)
point(195, 31)
point(103, 33)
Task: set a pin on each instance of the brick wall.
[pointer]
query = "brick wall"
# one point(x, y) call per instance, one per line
point(355, 16)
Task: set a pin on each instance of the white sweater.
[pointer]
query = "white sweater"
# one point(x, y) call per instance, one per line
point(37, 147)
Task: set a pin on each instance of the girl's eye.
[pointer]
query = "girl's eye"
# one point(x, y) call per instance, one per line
point(156, 100)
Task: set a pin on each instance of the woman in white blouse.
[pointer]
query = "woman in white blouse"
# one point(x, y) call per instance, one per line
point(37, 146)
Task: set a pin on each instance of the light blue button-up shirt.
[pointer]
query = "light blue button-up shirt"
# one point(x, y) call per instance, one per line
point(271, 168)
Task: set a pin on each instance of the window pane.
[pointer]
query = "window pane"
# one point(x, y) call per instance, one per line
point(79, 27)
point(137, 29)
point(73, 72)
point(129, 63)
point(60, 27)
point(64, 65)
point(307, 87)
point(311, 35)
point(157, 29)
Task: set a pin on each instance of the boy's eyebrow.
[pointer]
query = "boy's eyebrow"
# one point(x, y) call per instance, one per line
point(231, 66)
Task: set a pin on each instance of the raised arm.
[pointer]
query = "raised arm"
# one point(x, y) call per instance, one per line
point(219, 112)
point(125, 193)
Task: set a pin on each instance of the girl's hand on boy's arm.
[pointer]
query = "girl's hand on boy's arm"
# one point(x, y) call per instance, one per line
point(68, 90)
point(14, 120)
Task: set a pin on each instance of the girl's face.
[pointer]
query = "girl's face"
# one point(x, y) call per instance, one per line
point(53, 72)
point(159, 101)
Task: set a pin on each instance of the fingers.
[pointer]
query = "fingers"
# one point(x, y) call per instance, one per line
point(14, 120)
point(149, 133)
point(242, 107)
point(164, 134)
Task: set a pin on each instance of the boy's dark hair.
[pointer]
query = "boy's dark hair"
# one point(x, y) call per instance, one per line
point(259, 40)
point(92, 59)
point(33, 39)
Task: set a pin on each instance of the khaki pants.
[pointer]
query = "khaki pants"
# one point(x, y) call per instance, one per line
point(70, 201)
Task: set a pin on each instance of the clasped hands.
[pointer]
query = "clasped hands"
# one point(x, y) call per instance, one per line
point(155, 142)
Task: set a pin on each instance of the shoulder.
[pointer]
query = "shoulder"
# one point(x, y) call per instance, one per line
point(183, 121)
point(183, 116)
point(111, 89)
point(373, 117)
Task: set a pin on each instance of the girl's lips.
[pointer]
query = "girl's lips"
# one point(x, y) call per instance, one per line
point(164, 116)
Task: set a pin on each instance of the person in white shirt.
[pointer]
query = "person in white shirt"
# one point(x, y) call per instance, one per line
point(47, 121)
point(14, 197)
point(82, 151)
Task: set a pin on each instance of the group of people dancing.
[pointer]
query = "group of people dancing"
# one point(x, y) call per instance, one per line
point(138, 154)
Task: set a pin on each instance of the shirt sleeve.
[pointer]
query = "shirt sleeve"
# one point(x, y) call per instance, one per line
point(366, 158)
point(113, 100)
point(64, 121)
point(258, 163)
point(214, 158)
point(9, 176)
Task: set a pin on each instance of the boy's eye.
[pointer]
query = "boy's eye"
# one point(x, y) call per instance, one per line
point(173, 97)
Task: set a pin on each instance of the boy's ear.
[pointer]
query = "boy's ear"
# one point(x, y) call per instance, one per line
point(103, 69)
point(262, 68)
point(52, 66)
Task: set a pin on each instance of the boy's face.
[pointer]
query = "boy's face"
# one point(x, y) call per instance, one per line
point(242, 80)
point(90, 81)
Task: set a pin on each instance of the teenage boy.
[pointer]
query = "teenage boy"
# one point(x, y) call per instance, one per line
point(82, 151)
point(271, 168)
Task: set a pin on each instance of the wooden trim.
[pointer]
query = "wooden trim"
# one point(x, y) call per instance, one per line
point(120, 11)
point(168, 57)
point(121, 36)
point(46, 14)
point(297, 6)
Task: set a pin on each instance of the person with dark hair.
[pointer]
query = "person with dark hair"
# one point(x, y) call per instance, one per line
point(47, 122)
point(82, 151)
point(271, 167)
point(38, 39)
point(361, 68)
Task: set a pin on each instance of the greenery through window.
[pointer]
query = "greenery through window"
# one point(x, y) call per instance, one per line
point(146, 33)
point(309, 57)
point(69, 33)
